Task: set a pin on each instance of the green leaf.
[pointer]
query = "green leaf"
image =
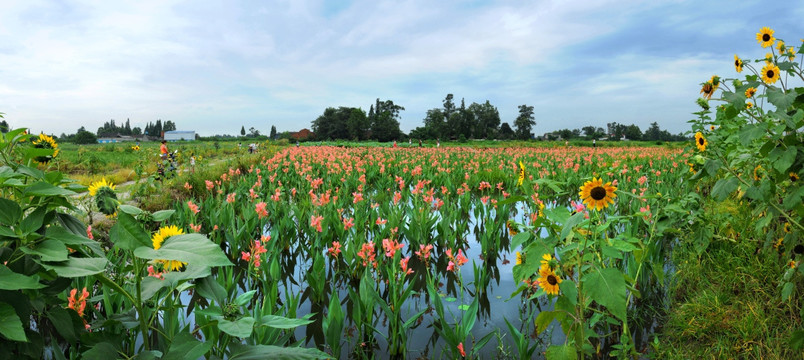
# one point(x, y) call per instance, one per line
point(780, 99)
point(41, 188)
point(128, 234)
point(573, 221)
point(245, 298)
point(241, 328)
point(10, 324)
point(66, 237)
point(797, 340)
point(101, 351)
point(543, 320)
point(260, 352)
point(10, 280)
point(751, 132)
point(519, 239)
point(33, 221)
point(48, 250)
point(787, 290)
point(131, 210)
point(570, 291)
point(785, 160)
point(607, 288)
point(10, 212)
point(281, 322)
point(149, 355)
point(77, 267)
point(712, 166)
point(211, 290)
point(63, 322)
point(163, 215)
point(561, 352)
point(189, 248)
point(724, 187)
point(186, 347)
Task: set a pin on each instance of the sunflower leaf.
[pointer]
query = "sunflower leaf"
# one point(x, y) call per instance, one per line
point(724, 187)
point(128, 234)
point(780, 99)
point(607, 288)
point(189, 248)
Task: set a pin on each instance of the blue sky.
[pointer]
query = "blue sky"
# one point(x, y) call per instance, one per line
point(216, 66)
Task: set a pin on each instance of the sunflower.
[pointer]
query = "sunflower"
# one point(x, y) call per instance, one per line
point(770, 73)
point(750, 92)
point(511, 228)
point(547, 261)
point(768, 58)
point(45, 142)
point(519, 258)
point(700, 141)
point(521, 173)
point(758, 172)
point(787, 228)
point(765, 37)
point(780, 46)
point(94, 187)
point(596, 195)
point(738, 64)
point(793, 177)
point(548, 280)
point(135, 148)
point(163, 234)
point(749, 105)
point(791, 53)
point(712, 127)
point(707, 90)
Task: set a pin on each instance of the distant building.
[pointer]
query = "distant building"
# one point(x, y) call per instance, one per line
point(116, 139)
point(179, 135)
point(302, 134)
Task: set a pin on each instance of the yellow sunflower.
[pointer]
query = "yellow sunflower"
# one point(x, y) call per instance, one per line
point(700, 141)
point(758, 172)
point(548, 280)
point(791, 53)
point(521, 173)
point(163, 234)
point(765, 37)
point(738, 64)
point(780, 46)
point(519, 258)
point(749, 105)
point(712, 127)
point(45, 142)
point(511, 228)
point(707, 90)
point(787, 228)
point(770, 73)
point(597, 195)
point(793, 177)
point(94, 187)
point(768, 58)
point(750, 92)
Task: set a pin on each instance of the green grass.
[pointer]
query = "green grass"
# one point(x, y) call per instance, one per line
point(726, 304)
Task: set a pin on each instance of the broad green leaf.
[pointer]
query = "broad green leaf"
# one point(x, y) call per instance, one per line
point(186, 347)
point(149, 355)
point(10, 212)
point(211, 290)
point(281, 322)
point(189, 248)
point(785, 160)
point(131, 210)
point(569, 290)
point(48, 250)
point(63, 322)
point(41, 188)
point(780, 99)
point(787, 290)
point(607, 287)
point(260, 352)
point(10, 324)
point(163, 215)
point(543, 320)
point(750, 133)
point(66, 237)
point(33, 221)
point(241, 328)
point(573, 221)
point(724, 187)
point(77, 267)
point(519, 239)
point(128, 234)
point(245, 298)
point(561, 352)
point(10, 280)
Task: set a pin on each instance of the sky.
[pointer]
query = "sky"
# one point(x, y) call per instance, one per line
point(214, 66)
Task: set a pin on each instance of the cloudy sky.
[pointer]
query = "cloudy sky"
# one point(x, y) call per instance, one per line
point(214, 66)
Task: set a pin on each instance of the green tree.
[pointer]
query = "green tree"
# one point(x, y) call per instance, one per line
point(632, 132)
point(357, 124)
point(85, 137)
point(386, 123)
point(486, 120)
point(506, 132)
point(3, 126)
point(169, 126)
point(242, 130)
point(273, 132)
point(524, 122)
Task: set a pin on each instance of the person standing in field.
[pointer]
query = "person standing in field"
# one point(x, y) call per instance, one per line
point(594, 143)
point(163, 150)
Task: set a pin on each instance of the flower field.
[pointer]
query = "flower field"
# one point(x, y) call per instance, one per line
point(405, 252)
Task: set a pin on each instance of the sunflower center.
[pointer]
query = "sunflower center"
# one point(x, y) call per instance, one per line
point(737, 63)
point(765, 37)
point(798, 249)
point(551, 279)
point(598, 193)
point(700, 141)
point(793, 177)
point(770, 73)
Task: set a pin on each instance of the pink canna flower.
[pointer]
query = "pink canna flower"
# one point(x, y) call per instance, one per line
point(230, 198)
point(209, 184)
point(260, 209)
point(335, 249)
point(348, 223)
point(403, 263)
point(381, 221)
point(358, 197)
point(188, 186)
point(89, 232)
point(193, 207)
point(460, 349)
point(195, 228)
point(391, 246)
point(315, 221)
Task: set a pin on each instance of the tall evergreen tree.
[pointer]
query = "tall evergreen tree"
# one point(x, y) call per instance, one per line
point(273, 132)
point(243, 130)
point(524, 122)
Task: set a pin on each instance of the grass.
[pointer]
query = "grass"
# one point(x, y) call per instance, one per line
point(726, 303)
